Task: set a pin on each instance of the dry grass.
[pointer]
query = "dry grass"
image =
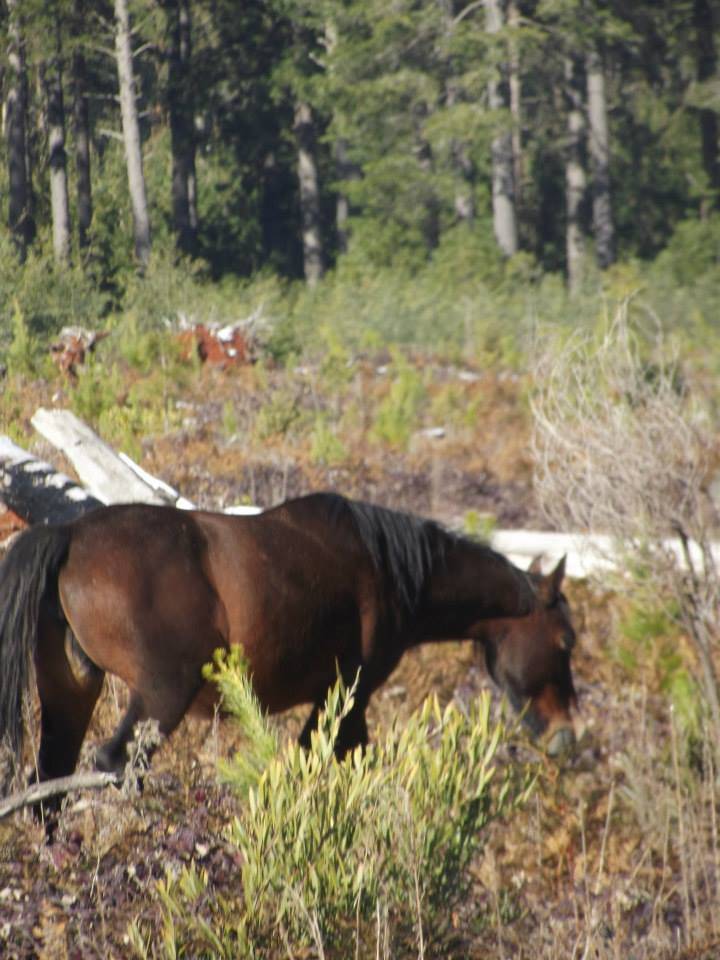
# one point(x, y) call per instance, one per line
point(618, 854)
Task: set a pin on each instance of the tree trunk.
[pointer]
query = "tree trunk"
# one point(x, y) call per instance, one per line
point(180, 110)
point(131, 133)
point(309, 194)
point(59, 203)
point(599, 144)
point(345, 169)
point(515, 103)
point(19, 205)
point(575, 180)
point(81, 130)
point(503, 190)
point(464, 169)
point(706, 69)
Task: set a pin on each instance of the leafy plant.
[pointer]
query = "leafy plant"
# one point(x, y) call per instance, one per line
point(326, 446)
point(277, 415)
point(398, 413)
point(478, 525)
point(325, 844)
point(22, 354)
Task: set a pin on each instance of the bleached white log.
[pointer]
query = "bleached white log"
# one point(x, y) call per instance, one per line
point(585, 554)
point(182, 503)
point(98, 466)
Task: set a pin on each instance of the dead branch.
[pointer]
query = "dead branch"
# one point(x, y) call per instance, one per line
point(53, 788)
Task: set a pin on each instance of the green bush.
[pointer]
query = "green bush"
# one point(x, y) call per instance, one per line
point(398, 414)
point(23, 354)
point(650, 637)
point(326, 846)
point(326, 447)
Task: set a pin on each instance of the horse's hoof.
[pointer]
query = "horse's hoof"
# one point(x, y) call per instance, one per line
point(561, 743)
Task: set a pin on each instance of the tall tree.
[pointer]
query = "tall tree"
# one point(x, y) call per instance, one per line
point(59, 202)
point(575, 178)
point(20, 217)
point(514, 86)
point(180, 112)
point(131, 132)
point(81, 125)
point(703, 21)
point(599, 149)
point(313, 255)
point(503, 190)
point(464, 199)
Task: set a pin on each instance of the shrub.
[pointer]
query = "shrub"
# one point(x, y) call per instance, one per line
point(398, 413)
point(326, 447)
point(622, 447)
point(326, 846)
point(23, 353)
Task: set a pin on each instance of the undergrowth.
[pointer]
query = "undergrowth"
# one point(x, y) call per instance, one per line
point(344, 857)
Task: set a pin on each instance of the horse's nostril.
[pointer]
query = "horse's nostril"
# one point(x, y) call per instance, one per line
point(561, 742)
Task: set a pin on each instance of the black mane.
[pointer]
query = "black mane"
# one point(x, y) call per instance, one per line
point(404, 547)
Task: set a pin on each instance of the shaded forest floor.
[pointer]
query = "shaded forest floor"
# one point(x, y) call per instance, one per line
point(616, 855)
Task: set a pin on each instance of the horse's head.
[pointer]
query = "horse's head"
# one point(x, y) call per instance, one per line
point(529, 658)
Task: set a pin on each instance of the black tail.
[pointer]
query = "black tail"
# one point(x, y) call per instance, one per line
point(30, 568)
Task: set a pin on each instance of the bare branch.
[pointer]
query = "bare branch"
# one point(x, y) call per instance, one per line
point(53, 788)
point(622, 448)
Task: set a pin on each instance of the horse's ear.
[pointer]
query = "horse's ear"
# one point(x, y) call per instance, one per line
point(549, 588)
point(536, 565)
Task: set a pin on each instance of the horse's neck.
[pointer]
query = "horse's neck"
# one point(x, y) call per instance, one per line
point(471, 587)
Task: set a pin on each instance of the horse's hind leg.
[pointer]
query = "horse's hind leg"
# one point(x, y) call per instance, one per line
point(111, 756)
point(68, 686)
point(167, 706)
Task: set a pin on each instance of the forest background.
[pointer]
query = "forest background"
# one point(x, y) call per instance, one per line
point(445, 174)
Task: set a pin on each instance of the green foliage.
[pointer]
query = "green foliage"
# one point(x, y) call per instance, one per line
point(479, 526)
point(11, 410)
point(228, 672)
point(399, 412)
point(22, 354)
point(49, 296)
point(326, 447)
point(278, 415)
point(336, 366)
point(651, 639)
point(229, 419)
point(98, 390)
point(454, 406)
point(325, 843)
point(693, 250)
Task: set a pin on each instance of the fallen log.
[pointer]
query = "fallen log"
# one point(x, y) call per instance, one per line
point(91, 780)
point(102, 471)
point(36, 491)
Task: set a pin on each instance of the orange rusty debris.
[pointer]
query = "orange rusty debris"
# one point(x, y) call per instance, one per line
point(10, 523)
point(219, 346)
point(72, 346)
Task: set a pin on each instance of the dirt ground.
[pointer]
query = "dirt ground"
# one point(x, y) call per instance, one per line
point(591, 868)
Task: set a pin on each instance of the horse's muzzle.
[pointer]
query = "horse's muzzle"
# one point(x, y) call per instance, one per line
point(561, 742)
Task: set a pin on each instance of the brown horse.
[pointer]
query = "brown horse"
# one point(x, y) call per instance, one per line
point(316, 585)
